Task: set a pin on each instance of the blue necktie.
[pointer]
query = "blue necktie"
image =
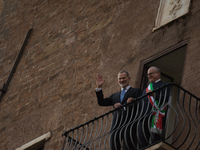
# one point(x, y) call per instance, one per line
point(122, 94)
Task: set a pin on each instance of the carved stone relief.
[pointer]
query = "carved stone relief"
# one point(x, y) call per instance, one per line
point(170, 10)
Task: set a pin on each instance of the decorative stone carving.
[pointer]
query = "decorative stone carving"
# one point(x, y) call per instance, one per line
point(176, 5)
point(170, 10)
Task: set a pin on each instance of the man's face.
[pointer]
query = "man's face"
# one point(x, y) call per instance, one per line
point(123, 80)
point(153, 75)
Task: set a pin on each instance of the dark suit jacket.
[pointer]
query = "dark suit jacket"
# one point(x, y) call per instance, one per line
point(115, 98)
point(158, 96)
point(162, 97)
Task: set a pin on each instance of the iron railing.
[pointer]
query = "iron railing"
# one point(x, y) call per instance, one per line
point(132, 127)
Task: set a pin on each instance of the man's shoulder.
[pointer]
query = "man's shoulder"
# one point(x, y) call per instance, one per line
point(163, 83)
point(131, 88)
point(159, 84)
point(134, 91)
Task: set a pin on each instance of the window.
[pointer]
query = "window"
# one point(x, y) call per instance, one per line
point(170, 61)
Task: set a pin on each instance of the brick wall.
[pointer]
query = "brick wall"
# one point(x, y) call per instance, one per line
point(53, 86)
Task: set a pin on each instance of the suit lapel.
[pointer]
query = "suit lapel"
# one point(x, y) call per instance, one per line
point(118, 97)
point(156, 85)
point(126, 95)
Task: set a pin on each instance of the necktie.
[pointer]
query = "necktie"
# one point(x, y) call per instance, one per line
point(122, 94)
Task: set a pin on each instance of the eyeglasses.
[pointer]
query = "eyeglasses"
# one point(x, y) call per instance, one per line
point(150, 74)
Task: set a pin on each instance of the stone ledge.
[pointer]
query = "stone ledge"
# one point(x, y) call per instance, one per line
point(36, 141)
point(160, 146)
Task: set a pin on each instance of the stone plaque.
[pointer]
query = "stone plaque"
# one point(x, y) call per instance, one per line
point(170, 10)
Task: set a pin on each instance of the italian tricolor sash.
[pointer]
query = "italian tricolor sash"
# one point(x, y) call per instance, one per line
point(158, 113)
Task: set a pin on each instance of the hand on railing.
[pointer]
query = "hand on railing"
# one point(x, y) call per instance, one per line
point(130, 99)
point(116, 105)
point(149, 91)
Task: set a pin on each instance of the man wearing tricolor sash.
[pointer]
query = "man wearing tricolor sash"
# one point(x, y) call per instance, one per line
point(153, 109)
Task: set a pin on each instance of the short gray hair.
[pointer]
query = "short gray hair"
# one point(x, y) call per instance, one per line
point(157, 69)
point(123, 71)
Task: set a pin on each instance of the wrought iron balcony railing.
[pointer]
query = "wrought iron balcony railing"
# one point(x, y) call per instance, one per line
point(134, 128)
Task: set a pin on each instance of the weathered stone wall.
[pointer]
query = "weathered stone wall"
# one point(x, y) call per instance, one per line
point(73, 40)
point(1, 5)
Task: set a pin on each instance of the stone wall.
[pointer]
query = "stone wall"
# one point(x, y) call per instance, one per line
point(73, 40)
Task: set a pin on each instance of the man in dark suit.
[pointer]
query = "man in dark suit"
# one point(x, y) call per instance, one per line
point(153, 109)
point(120, 118)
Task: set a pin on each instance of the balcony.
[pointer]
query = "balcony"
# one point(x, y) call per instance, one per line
point(132, 127)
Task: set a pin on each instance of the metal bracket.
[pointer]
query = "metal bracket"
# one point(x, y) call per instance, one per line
point(5, 86)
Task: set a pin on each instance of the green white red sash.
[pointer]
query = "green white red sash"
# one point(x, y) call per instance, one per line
point(158, 113)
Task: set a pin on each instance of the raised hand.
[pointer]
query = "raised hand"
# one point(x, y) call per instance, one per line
point(99, 81)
